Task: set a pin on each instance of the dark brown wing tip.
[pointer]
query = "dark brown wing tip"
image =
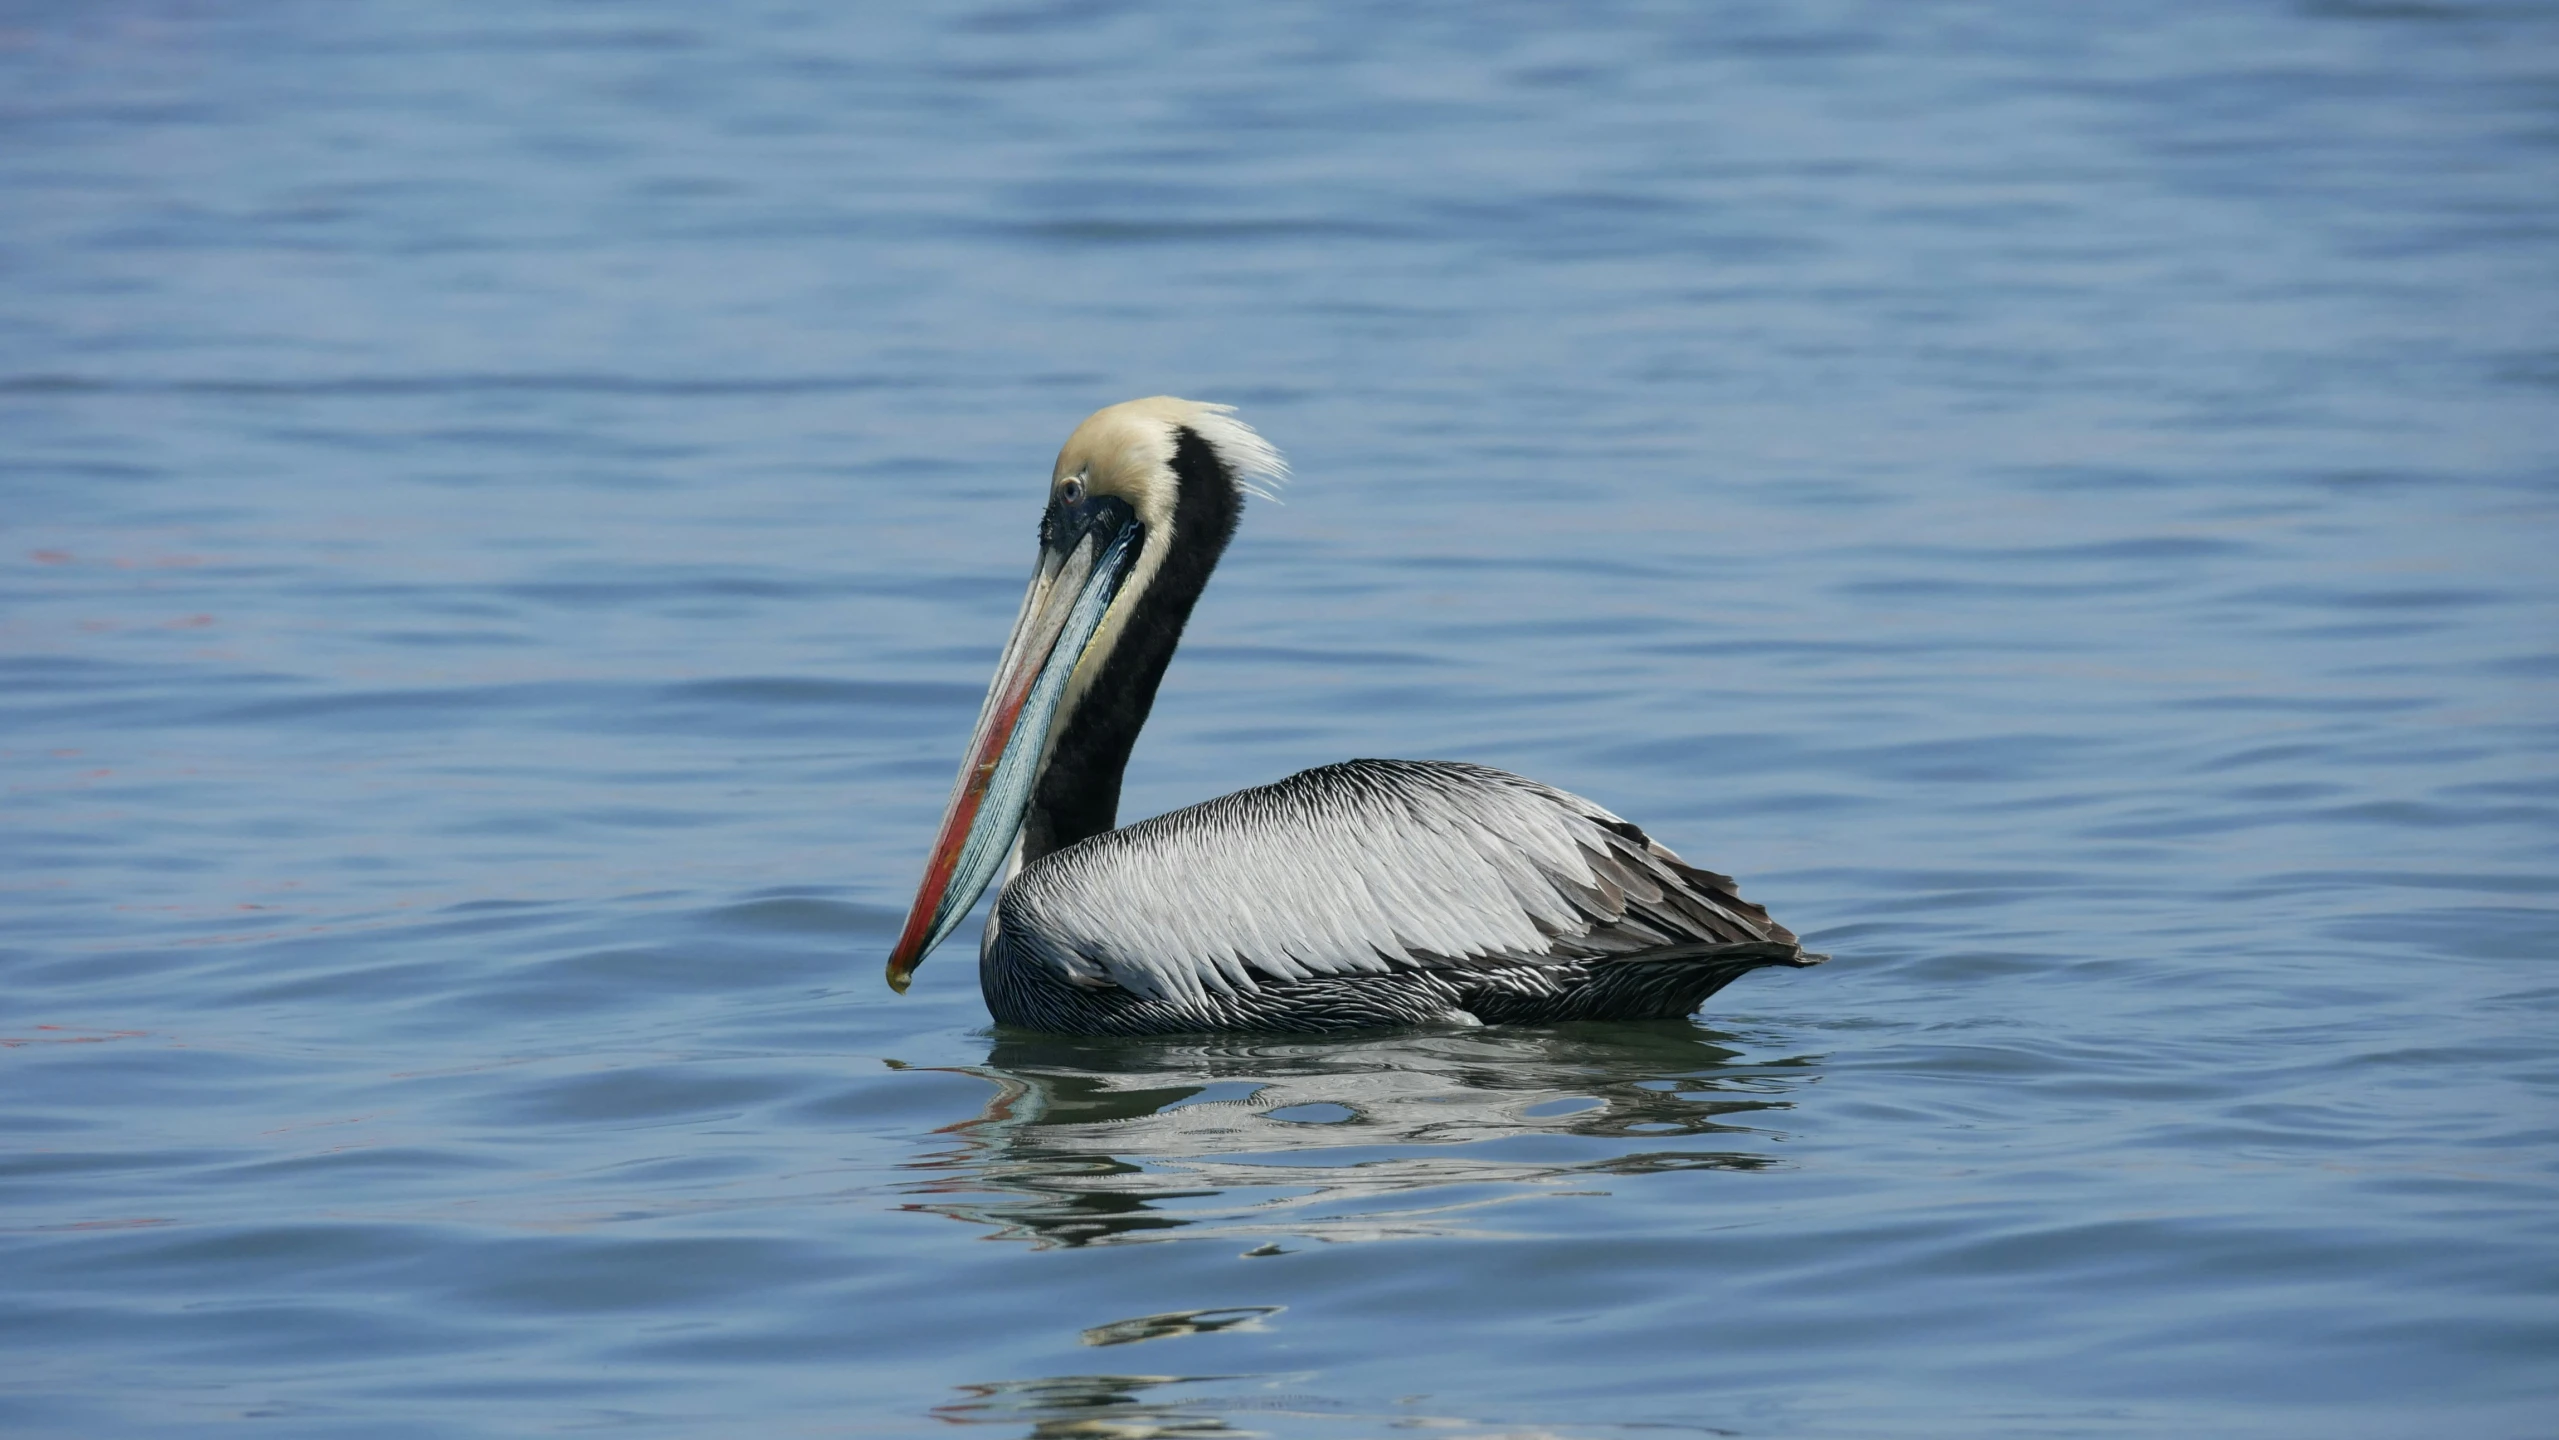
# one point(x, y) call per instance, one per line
point(1772, 952)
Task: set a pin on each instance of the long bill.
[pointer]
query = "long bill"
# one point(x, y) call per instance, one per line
point(1068, 597)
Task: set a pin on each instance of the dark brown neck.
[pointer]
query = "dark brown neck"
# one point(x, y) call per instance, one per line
point(1078, 795)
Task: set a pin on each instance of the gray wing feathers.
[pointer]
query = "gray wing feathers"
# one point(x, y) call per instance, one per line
point(1365, 868)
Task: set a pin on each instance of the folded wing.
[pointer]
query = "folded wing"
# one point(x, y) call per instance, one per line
point(1370, 867)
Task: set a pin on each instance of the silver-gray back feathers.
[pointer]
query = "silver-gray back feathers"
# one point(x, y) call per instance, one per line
point(1370, 868)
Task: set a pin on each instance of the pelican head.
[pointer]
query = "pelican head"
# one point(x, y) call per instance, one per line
point(1141, 503)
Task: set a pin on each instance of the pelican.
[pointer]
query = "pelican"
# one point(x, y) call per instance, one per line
point(1367, 894)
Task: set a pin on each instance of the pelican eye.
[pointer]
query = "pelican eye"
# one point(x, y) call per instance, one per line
point(1072, 492)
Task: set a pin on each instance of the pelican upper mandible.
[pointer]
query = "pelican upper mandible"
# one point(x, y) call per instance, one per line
point(1364, 894)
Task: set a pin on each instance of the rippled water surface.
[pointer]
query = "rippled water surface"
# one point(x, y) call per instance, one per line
point(506, 512)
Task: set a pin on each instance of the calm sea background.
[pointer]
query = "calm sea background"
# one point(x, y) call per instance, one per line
point(507, 510)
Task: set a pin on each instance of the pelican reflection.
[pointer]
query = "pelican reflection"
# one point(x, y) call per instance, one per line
point(1090, 1140)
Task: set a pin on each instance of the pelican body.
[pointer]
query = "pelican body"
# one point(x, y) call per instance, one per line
point(1367, 894)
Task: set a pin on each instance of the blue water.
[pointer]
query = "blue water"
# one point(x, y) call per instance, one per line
point(506, 513)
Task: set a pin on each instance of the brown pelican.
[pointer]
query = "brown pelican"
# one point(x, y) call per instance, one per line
point(1369, 893)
